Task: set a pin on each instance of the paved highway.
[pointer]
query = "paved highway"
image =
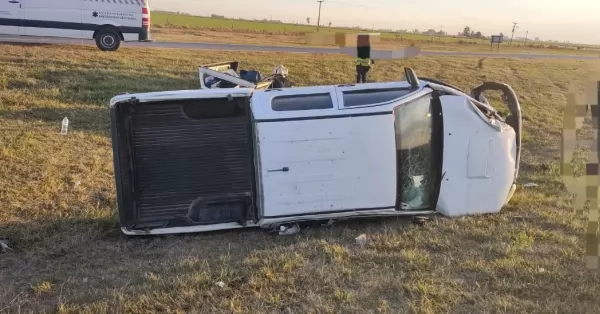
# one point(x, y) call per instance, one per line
point(299, 49)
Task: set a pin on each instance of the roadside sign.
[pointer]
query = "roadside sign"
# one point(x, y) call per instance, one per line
point(496, 39)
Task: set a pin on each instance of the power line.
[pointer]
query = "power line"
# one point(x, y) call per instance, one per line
point(319, 18)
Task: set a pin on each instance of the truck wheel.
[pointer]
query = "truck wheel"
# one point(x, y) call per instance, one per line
point(108, 39)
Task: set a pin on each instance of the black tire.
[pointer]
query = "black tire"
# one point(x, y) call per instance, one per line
point(108, 39)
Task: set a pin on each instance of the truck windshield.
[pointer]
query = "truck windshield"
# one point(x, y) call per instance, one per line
point(413, 128)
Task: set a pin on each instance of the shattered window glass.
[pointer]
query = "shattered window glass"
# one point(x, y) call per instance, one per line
point(412, 124)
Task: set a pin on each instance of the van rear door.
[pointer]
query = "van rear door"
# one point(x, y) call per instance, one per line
point(11, 17)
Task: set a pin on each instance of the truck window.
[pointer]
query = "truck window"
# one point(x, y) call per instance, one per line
point(412, 124)
point(302, 102)
point(365, 97)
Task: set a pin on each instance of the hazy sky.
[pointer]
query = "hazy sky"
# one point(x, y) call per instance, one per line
point(575, 20)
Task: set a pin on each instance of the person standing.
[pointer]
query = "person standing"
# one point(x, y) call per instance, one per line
point(363, 57)
point(363, 65)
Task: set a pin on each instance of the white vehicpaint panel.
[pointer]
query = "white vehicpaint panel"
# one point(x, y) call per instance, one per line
point(479, 161)
point(183, 94)
point(131, 36)
point(109, 13)
point(65, 11)
point(334, 165)
point(14, 13)
point(340, 89)
point(116, 14)
point(190, 229)
point(262, 102)
point(390, 212)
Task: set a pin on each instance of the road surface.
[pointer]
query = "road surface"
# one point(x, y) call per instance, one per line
point(234, 47)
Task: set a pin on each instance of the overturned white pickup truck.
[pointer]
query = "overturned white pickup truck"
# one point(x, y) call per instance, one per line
point(221, 158)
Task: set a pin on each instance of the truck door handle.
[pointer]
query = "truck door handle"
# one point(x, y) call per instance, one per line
point(284, 169)
point(13, 1)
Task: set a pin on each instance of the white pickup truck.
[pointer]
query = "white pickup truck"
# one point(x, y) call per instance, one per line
point(259, 156)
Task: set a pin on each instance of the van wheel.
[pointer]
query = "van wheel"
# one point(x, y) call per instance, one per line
point(108, 39)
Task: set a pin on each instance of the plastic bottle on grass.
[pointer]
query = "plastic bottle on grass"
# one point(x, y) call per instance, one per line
point(65, 126)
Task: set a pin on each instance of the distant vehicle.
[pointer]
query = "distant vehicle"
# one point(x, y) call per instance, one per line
point(108, 22)
point(250, 155)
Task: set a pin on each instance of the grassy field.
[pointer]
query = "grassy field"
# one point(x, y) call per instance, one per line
point(58, 207)
point(201, 27)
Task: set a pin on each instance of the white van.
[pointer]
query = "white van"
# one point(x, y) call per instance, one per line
point(108, 22)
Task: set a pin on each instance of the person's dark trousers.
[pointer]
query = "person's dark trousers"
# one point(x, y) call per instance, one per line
point(361, 73)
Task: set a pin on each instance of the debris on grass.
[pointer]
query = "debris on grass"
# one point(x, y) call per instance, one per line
point(221, 284)
point(361, 240)
point(65, 126)
point(283, 230)
point(530, 185)
point(4, 246)
point(420, 220)
point(329, 223)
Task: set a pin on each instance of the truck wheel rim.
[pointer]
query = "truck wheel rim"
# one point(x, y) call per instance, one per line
point(108, 41)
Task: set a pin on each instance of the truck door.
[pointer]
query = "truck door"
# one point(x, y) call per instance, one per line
point(316, 159)
point(11, 17)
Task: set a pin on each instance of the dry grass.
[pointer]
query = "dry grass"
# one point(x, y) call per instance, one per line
point(57, 207)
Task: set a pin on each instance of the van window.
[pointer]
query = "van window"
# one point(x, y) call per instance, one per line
point(366, 97)
point(302, 102)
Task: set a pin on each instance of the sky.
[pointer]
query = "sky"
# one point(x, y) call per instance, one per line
point(575, 21)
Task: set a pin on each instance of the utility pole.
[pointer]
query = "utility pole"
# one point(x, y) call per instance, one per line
point(319, 18)
point(441, 32)
point(513, 33)
point(526, 35)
